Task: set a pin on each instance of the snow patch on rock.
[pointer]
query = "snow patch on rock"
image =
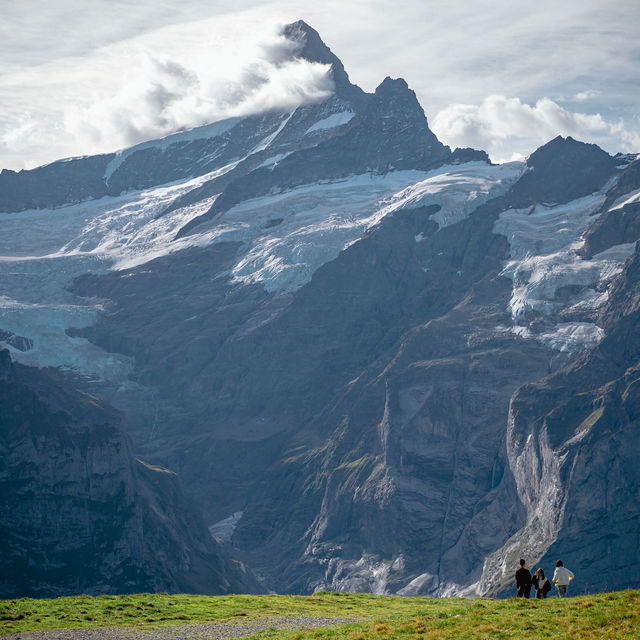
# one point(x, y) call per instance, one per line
point(223, 529)
point(272, 161)
point(424, 583)
point(332, 121)
point(212, 130)
point(569, 336)
point(629, 198)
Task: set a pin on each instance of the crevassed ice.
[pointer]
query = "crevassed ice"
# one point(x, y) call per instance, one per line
point(224, 529)
point(41, 251)
point(569, 336)
point(544, 243)
point(458, 189)
point(320, 220)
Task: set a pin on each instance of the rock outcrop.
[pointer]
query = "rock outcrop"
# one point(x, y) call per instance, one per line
point(80, 514)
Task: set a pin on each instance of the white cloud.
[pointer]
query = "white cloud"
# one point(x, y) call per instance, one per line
point(587, 95)
point(151, 86)
point(507, 128)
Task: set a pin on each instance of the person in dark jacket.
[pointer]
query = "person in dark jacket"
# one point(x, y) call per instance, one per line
point(541, 584)
point(523, 580)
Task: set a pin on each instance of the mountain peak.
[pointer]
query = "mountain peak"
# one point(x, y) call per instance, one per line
point(392, 85)
point(562, 170)
point(568, 149)
point(314, 49)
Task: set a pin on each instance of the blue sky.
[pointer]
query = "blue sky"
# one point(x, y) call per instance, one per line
point(80, 77)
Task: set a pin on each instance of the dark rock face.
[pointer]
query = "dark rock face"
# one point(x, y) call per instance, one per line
point(563, 170)
point(402, 485)
point(80, 514)
point(468, 155)
point(176, 157)
point(393, 476)
point(17, 342)
point(65, 181)
point(621, 224)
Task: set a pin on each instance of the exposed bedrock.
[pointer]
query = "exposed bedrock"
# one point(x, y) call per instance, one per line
point(80, 514)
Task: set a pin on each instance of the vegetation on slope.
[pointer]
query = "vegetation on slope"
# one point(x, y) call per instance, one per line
point(601, 616)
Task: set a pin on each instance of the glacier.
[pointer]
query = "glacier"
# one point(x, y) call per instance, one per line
point(286, 238)
point(544, 243)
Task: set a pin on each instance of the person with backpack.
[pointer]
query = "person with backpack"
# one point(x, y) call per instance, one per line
point(561, 578)
point(523, 580)
point(541, 584)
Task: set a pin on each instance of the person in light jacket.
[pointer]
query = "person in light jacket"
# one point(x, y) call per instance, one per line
point(561, 578)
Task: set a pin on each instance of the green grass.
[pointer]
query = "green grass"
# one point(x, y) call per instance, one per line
point(601, 616)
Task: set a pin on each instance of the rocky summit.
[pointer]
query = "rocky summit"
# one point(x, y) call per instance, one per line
point(371, 362)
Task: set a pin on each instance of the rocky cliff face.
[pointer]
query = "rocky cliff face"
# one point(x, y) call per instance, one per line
point(375, 363)
point(80, 514)
point(375, 402)
point(572, 444)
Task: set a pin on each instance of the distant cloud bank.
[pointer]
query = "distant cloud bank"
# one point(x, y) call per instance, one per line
point(509, 129)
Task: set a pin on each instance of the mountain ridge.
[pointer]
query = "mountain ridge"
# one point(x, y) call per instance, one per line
point(350, 342)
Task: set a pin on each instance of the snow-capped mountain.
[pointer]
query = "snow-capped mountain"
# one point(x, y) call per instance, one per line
point(375, 363)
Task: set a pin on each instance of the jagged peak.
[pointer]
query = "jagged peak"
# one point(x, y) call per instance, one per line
point(562, 170)
point(394, 85)
point(393, 92)
point(313, 49)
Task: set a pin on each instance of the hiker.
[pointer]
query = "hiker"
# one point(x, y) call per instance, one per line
point(541, 584)
point(523, 580)
point(561, 578)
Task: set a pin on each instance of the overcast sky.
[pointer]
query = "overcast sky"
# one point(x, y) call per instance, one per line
point(85, 76)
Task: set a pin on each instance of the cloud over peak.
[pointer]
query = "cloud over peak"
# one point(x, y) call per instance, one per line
point(137, 91)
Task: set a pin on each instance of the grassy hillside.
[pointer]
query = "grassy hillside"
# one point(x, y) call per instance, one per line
point(602, 616)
